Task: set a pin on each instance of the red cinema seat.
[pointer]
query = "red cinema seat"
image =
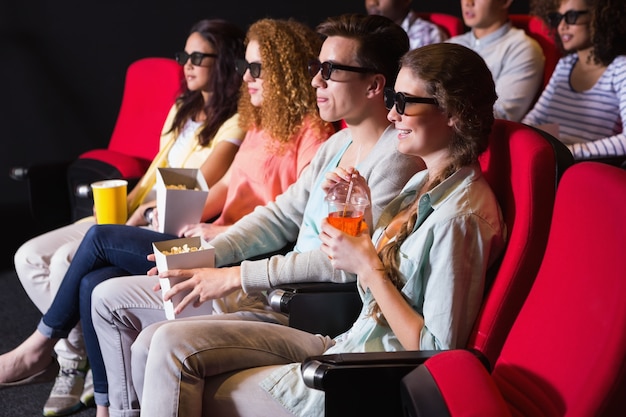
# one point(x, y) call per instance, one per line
point(566, 352)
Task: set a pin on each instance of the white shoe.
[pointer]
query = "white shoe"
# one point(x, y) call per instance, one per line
point(87, 396)
point(65, 396)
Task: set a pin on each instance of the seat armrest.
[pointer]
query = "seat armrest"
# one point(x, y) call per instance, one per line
point(304, 287)
point(321, 308)
point(18, 173)
point(361, 384)
point(349, 378)
point(48, 192)
point(280, 298)
point(316, 369)
point(39, 171)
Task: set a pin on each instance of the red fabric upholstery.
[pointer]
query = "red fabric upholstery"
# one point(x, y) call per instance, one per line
point(128, 166)
point(566, 352)
point(451, 24)
point(150, 88)
point(537, 29)
point(480, 398)
point(521, 172)
point(567, 349)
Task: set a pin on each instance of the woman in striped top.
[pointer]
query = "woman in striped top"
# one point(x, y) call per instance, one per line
point(584, 103)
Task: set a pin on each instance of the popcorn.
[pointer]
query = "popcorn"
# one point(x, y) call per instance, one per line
point(174, 250)
point(181, 187)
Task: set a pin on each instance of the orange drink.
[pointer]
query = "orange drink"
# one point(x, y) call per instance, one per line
point(348, 221)
point(346, 207)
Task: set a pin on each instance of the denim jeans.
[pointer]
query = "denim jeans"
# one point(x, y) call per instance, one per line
point(106, 251)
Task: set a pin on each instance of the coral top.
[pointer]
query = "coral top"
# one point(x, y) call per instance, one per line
point(262, 169)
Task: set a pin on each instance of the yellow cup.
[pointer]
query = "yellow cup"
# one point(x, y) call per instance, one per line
point(109, 197)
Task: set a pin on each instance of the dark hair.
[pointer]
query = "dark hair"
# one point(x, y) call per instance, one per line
point(608, 30)
point(381, 42)
point(607, 26)
point(227, 39)
point(464, 88)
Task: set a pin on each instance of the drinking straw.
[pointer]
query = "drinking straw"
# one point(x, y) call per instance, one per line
point(356, 161)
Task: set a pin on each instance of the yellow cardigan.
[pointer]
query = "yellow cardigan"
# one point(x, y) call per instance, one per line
point(193, 158)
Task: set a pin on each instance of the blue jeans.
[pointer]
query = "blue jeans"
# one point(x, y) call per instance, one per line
point(106, 251)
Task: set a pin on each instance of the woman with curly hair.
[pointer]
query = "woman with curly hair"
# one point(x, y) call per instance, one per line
point(284, 131)
point(584, 103)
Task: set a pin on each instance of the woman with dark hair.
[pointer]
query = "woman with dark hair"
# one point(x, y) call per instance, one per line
point(584, 103)
point(421, 275)
point(201, 131)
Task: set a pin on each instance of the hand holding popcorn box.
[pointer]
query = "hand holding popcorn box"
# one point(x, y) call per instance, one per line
point(181, 194)
point(182, 253)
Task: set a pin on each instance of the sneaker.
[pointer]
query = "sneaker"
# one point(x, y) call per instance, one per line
point(65, 396)
point(87, 396)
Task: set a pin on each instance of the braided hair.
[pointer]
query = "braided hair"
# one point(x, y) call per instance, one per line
point(464, 88)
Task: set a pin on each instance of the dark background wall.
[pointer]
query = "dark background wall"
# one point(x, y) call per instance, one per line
point(62, 66)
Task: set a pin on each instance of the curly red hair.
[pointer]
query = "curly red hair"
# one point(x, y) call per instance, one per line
point(286, 47)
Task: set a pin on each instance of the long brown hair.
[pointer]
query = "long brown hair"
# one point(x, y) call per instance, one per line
point(464, 88)
point(227, 39)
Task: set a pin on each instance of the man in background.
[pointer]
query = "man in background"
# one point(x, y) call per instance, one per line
point(516, 60)
point(421, 32)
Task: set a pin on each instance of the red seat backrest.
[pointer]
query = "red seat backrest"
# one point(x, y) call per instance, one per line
point(566, 353)
point(539, 31)
point(451, 24)
point(151, 87)
point(521, 166)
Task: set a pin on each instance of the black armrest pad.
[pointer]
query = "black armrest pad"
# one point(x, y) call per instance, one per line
point(316, 368)
point(40, 171)
point(318, 307)
point(348, 378)
point(311, 287)
point(414, 357)
point(48, 192)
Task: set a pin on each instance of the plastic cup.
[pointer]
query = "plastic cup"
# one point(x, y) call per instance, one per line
point(346, 207)
point(109, 197)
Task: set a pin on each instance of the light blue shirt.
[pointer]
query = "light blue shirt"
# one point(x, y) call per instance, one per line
point(458, 235)
point(316, 210)
point(516, 63)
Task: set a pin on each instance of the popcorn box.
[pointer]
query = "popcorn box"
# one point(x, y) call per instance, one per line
point(202, 256)
point(180, 194)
